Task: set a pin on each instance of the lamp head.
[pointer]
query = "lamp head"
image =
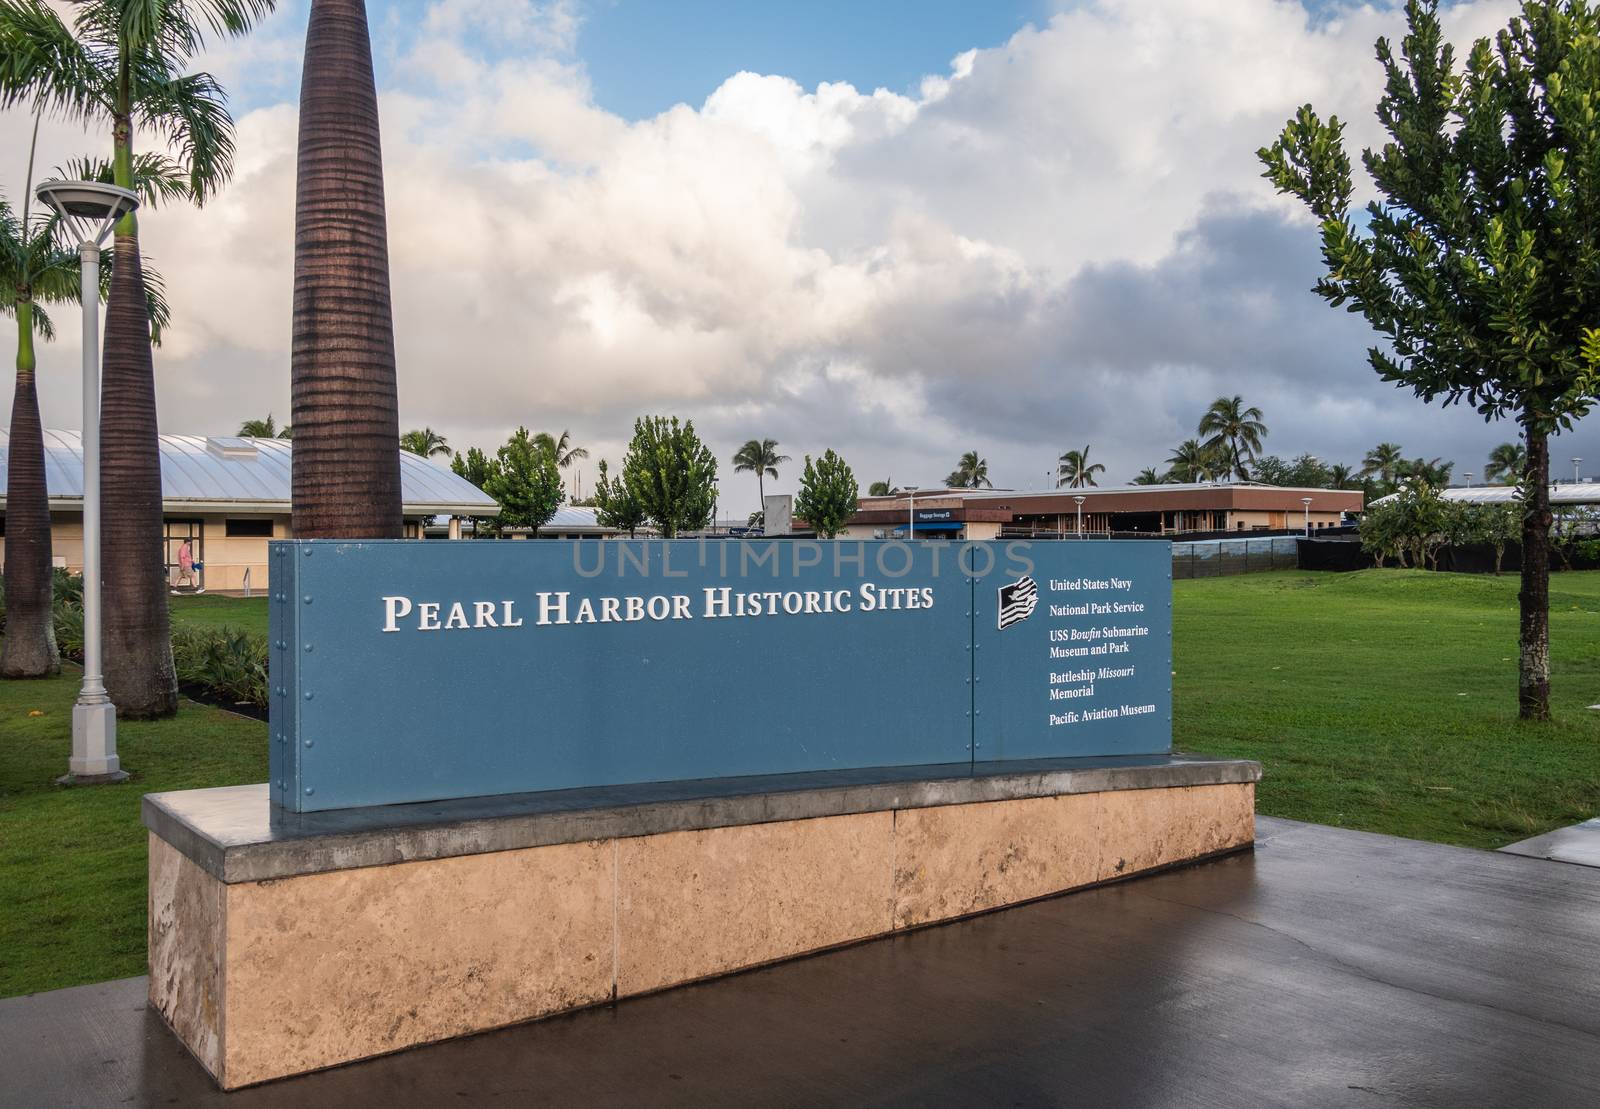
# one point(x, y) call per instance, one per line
point(90, 208)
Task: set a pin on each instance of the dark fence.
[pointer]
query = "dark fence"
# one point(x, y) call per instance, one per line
point(1218, 558)
point(1469, 558)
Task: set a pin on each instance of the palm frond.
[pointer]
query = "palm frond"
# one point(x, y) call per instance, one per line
point(231, 17)
point(43, 325)
point(156, 177)
point(155, 293)
point(191, 113)
point(43, 64)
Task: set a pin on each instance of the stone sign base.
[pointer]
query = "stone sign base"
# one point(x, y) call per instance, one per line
point(281, 944)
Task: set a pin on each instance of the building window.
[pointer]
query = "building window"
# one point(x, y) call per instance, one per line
point(248, 529)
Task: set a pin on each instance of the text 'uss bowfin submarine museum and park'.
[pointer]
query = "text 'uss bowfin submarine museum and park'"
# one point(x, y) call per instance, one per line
point(612, 843)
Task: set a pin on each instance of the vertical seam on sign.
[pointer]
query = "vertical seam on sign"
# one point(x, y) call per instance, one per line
point(972, 671)
point(616, 884)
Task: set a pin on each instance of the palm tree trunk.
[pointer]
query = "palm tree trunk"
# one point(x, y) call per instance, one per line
point(346, 420)
point(761, 496)
point(138, 645)
point(1533, 669)
point(29, 648)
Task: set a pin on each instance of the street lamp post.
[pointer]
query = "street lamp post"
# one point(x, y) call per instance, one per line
point(1079, 502)
point(1307, 502)
point(911, 513)
point(91, 209)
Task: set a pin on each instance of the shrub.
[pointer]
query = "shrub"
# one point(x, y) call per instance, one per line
point(69, 631)
point(229, 663)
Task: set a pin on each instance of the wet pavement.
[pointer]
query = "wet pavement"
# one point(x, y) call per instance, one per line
point(1327, 968)
point(1579, 844)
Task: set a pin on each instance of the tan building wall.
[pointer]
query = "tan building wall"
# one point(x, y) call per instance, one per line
point(1280, 521)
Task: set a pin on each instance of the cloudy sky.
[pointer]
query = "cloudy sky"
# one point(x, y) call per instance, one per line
point(901, 230)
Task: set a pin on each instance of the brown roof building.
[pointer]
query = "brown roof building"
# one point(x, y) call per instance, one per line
point(1175, 510)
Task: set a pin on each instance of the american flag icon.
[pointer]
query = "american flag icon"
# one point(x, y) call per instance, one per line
point(1017, 601)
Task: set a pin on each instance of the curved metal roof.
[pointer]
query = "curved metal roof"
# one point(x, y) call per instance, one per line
point(233, 472)
point(1580, 492)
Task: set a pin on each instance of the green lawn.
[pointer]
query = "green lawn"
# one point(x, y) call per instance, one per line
point(211, 610)
point(1383, 700)
point(72, 861)
point(1386, 700)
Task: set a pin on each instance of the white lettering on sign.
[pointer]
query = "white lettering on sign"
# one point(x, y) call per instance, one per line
point(557, 607)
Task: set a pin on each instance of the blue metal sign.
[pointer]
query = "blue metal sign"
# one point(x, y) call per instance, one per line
point(410, 671)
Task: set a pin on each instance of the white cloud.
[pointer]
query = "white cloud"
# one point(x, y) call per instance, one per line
point(1060, 240)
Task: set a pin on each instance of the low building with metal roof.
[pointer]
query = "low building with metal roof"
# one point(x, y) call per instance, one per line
point(224, 497)
point(1170, 509)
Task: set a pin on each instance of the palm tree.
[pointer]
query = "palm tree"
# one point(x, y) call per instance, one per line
point(346, 473)
point(1381, 462)
point(33, 268)
point(1435, 472)
point(122, 62)
point(1150, 476)
point(1192, 461)
point(879, 489)
point(1341, 476)
point(971, 472)
point(426, 443)
point(560, 449)
point(265, 429)
point(1506, 463)
point(1235, 431)
point(1076, 471)
point(762, 457)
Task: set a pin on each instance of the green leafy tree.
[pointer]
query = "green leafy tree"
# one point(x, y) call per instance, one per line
point(424, 442)
point(1573, 531)
point(1235, 433)
point(879, 489)
point(479, 469)
point(1479, 264)
point(1151, 476)
point(1075, 471)
point(615, 507)
point(1192, 461)
point(757, 519)
point(672, 475)
point(526, 483)
point(1305, 472)
point(760, 457)
point(1383, 533)
point(1506, 464)
point(1412, 525)
point(1500, 527)
point(971, 472)
point(828, 494)
point(124, 63)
